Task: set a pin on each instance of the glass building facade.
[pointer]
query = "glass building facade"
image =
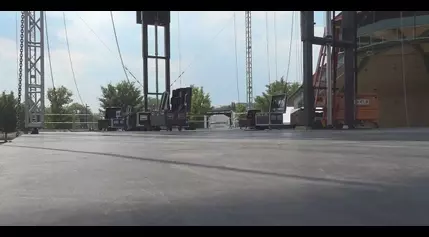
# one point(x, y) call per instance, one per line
point(393, 61)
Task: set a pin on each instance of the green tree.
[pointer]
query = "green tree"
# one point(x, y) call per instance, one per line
point(78, 108)
point(200, 105)
point(226, 107)
point(150, 104)
point(122, 94)
point(49, 118)
point(22, 117)
point(60, 98)
point(7, 113)
point(200, 102)
point(82, 115)
point(262, 102)
point(236, 107)
point(240, 108)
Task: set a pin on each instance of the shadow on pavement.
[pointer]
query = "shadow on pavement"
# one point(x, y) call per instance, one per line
point(318, 205)
point(224, 168)
point(309, 203)
point(400, 134)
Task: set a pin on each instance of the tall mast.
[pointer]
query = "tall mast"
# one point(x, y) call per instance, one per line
point(249, 80)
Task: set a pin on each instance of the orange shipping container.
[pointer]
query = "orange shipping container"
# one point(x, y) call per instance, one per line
point(367, 109)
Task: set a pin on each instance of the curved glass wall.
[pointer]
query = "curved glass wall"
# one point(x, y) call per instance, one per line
point(393, 61)
point(380, 30)
point(378, 27)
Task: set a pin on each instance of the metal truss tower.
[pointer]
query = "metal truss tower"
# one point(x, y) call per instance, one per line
point(249, 80)
point(34, 68)
point(157, 19)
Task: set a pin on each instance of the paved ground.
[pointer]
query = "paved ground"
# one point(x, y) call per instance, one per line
point(217, 178)
point(10, 136)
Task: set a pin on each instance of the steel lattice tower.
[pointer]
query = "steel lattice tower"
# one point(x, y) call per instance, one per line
point(249, 80)
point(34, 68)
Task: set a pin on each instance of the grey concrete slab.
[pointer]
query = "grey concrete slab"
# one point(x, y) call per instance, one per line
point(230, 177)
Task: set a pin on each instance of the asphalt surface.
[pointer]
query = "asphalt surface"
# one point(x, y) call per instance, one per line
point(369, 177)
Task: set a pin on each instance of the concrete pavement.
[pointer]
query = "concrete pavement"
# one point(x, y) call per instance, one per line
point(373, 177)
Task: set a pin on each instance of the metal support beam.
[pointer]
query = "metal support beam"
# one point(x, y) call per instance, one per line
point(167, 60)
point(334, 58)
point(355, 55)
point(156, 57)
point(145, 49)
point(34, 69)
point(328, 41)
point(348, 41)
point(329, 70)
point(158, 19)
point(349, 34)
point(307, 35)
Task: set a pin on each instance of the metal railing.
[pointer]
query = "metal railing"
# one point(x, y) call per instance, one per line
point(71, 121)
point(89, 121)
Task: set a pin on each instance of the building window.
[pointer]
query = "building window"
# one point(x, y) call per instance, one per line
point(364, 40)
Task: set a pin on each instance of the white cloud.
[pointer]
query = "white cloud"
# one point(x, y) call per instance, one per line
point(8, 80)
point(212, 61)
point(223, 63)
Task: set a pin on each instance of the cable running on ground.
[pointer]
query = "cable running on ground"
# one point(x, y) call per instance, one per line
point(71, 61)
point(117, 45)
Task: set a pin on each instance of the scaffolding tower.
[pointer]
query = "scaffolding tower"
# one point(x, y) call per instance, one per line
point(32, 30)
point(249, 80)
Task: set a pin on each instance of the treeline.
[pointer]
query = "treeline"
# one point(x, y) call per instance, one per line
point(64, 113)
point(262, 102)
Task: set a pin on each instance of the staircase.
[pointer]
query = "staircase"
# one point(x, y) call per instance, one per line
point(319, 79)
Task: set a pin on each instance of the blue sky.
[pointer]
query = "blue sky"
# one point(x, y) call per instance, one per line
point(206, 61)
